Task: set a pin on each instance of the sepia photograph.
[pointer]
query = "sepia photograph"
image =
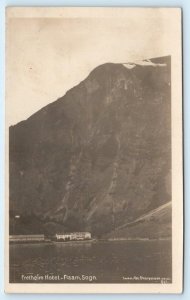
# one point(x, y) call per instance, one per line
point(94, 180)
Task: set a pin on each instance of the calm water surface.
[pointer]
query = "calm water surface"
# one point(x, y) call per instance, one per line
point(101, 262)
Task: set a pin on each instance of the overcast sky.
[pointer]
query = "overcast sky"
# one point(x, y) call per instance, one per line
point(48, 56)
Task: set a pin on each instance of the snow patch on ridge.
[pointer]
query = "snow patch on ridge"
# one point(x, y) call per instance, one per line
point(129, 65)
point(146, 62)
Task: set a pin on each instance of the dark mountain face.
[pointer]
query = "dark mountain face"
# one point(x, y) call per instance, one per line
point(98, 157)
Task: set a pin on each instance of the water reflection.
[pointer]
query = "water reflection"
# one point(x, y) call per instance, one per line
point(108, 261)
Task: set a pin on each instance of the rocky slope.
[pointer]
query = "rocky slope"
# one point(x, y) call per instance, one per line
point(156, 224)
point(98, 157)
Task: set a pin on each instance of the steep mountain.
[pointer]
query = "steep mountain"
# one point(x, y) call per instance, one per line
point(98, 157)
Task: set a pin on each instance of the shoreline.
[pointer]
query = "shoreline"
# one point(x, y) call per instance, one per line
point(90, 241)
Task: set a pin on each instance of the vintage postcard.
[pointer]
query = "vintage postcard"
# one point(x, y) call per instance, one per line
point(94, 187)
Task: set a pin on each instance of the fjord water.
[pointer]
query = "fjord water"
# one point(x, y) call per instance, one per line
point(131, 261)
